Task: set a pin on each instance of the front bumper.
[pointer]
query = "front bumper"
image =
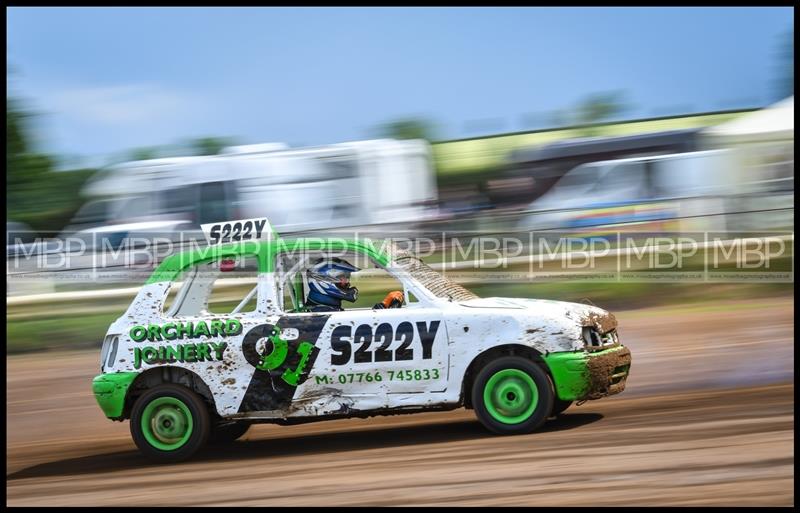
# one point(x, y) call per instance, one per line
point(582, 375)
point(110, 391)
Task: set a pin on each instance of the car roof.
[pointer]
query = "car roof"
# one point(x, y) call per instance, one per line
point(173, 265)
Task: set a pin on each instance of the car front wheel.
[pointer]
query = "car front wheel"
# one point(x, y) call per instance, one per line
point(512, 395)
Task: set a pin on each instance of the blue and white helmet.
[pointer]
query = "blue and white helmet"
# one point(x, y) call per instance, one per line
point(329, 282)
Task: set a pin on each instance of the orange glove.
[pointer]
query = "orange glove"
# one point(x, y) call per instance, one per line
point(391, 298)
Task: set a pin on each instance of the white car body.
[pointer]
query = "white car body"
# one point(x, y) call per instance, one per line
point(446, 336)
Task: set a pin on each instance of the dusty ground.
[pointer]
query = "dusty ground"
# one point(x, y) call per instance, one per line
point(707, 419)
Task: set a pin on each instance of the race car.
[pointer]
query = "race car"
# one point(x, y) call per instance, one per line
point(188, 369)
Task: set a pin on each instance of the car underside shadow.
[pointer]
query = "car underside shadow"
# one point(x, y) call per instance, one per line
point(338, 441)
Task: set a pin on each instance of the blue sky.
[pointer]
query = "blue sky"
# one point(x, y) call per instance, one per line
point(109, 79)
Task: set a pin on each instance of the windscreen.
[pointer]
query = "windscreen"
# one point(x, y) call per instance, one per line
point(438, 284)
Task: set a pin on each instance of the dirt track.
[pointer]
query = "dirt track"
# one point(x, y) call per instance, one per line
point(707, 419)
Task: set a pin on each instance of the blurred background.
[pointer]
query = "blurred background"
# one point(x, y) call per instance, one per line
point(128, 128)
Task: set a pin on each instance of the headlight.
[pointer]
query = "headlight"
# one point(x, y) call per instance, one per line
point(104, 351)
point(593, 339)
point(108, 355)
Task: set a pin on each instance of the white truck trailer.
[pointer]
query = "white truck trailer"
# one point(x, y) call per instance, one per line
point(300, 189)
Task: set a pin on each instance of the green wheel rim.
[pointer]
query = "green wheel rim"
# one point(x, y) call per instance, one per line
point(167, 423)
point(510, 396)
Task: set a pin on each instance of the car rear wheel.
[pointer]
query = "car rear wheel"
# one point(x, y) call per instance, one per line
point(169, 423)
point(225, 433)
point(512, 395)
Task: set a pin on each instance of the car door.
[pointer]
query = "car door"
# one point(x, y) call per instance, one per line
point(367, 359)
point(374, 358)
point(404, 349)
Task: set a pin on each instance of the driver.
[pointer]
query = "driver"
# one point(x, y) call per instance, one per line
point(329, 283)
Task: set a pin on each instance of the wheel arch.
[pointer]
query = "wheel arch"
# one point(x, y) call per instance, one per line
point(172, 375)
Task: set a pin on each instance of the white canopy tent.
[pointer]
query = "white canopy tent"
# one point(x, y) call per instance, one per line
point(773, 123)
point(762, 146)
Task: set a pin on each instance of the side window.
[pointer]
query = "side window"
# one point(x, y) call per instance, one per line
point(294, 294)
point(623, 182)
point(342, 171)
point(288, 302)
point(373, 284)
point(234, 290)
point(175, 288)
point(180, 201)
point(135, 207)
point(289, 277)
point(213, 203)
point(227, 286)
point(372, 281)
point(652, 186)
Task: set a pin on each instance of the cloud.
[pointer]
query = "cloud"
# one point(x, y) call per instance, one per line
point(122, 104)
point(91, 119)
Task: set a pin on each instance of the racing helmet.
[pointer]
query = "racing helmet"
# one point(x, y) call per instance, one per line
point(329, 282)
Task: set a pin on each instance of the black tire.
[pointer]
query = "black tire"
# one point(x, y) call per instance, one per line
point(528, 409)
point(559, 406)
point(170, 406)
point(227, 432)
